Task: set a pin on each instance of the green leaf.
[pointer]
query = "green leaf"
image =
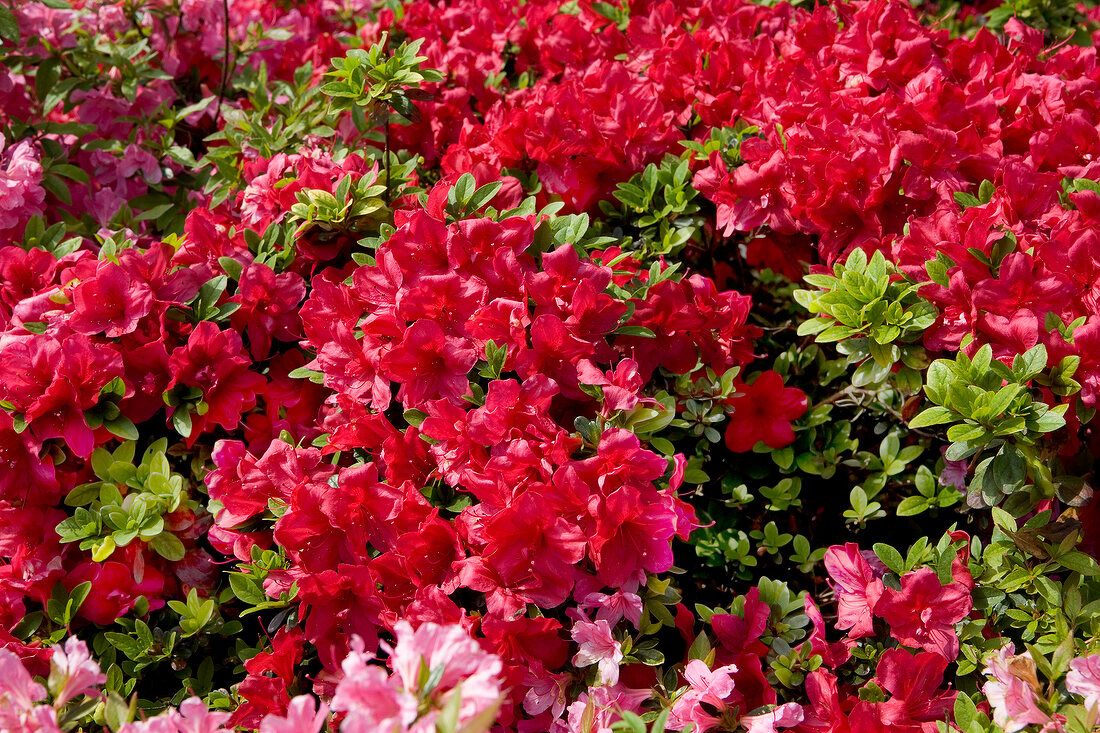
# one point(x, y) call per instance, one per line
point(1004, 397)
point(635, 331)
point(447, 721)
point(126, 644)
point(890, 557)
point(933, 416)
point(69, 171)
point(941, 374)
point(1028, 364)
point(966, 200)
point(101, 463)
point(1003, 519)
point(463, 189)
point(484, 195)
point(123, 427)
point(415, 417)
point(244, 587)
point(82, 494)
point(168, 546)
point(78, 594)
point(46, 78)
point(9, 26)
point(701, 647)
point(662, 445)
point(648, 657)
point(965, 711)
point(54, 184)
point(181, 421)
point(966, 432)
point(118, 712)
point(912, 505)
point(1079, 562)
point(814, 325)
point(1048, 422)
point(77, 527)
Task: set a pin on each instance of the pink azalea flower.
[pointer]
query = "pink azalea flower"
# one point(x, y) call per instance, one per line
point(372, 702)
point(376, 701)
point(545, 691)
point(463, 660)
point(166, 722)
point(18, 695)
point(195, 717)
point(707, 687)
point(18, 690)
point(598, 709)
point(21, 192)
point(784, 716)
point(304, 715)
point(73, 672)
point(598, 646)
point(1084, 679)
point(1013, 700)
point(39, 719)
point(615, 607)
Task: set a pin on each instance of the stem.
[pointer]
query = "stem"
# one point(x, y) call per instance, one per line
point(846, 392)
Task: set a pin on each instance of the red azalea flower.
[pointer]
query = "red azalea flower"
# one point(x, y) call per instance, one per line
point(51, 382)
point(429, 364)
point(924, 612)
point(631, 534)
point(914, 683)
point(270, 674)
point(214, 361)
point(111, 302)
point(268, 307)
point(764, 413)
point(857, 588)
point(115, 589)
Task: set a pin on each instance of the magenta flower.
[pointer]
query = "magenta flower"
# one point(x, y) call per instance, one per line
point(621, 387)
point(763, 411)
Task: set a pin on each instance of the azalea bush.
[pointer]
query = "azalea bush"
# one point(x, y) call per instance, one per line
point(549, 367)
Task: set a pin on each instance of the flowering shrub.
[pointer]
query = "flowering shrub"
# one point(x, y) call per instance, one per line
point(482, 366)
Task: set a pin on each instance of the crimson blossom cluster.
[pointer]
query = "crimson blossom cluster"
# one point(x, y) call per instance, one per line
point(337, 393)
